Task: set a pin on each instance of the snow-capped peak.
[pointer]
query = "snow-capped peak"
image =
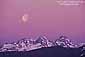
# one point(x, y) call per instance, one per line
point(65, 42)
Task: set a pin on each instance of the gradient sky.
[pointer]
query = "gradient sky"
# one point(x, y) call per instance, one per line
point(44, 17)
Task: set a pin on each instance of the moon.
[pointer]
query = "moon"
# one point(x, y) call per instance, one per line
point(25, 17)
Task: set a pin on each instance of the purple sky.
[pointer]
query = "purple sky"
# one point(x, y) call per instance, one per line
point(45, 17)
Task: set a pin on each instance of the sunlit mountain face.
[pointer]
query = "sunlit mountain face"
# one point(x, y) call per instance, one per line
point(30, 18)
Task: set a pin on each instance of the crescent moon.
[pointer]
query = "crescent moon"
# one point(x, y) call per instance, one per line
point(25, 17)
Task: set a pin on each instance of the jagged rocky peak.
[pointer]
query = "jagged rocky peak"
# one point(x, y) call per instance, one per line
point(65, 42)
point(63, 38)
point(41, 39)
point(26, 41)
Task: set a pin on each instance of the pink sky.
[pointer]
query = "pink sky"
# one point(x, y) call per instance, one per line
point(45, 17)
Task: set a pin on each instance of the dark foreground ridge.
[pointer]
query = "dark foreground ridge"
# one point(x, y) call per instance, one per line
point(45, 52)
